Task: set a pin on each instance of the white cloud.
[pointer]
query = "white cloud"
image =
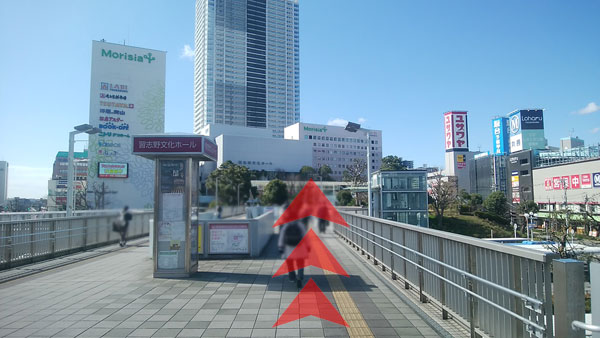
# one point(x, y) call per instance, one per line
point(588, 109)
point(28, 182)
point(595, 130)
point(362, 120)
point(187, 52)
point(337, 122)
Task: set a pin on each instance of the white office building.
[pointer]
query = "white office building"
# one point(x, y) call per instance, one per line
point(336, 147)
point(246, 67)
point(259, 153)
point(3, 182)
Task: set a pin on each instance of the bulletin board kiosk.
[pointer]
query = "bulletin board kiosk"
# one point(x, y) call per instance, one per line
point(176, 158)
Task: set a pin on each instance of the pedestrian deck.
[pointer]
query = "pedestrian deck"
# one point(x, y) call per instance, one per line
point(115, 295)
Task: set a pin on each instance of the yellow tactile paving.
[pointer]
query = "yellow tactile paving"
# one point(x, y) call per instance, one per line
point(357, 326)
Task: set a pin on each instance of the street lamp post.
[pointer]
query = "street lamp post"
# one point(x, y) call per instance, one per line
point(84, 128)
point(354, 127)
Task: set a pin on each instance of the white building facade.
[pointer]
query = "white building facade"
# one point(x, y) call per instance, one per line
point(127, 97)
point(246, 65)
point(336, 147)
point(259, 153)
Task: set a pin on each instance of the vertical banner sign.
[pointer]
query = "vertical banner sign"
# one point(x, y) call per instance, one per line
point(448, 130)
point(586, 181)
point(456, 130)
point(127, 97)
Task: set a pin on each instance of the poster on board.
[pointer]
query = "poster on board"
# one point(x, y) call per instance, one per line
point(228, 238)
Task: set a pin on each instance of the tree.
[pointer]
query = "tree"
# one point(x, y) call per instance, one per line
point(344, 197)
point(496, 203)
point(392, 162)
point(231, 177)
point(443, 194)
point(307, 172)
point(476, 201)
point(355, 173)
point(325, 172)
point(527, 206)
point(275, 193)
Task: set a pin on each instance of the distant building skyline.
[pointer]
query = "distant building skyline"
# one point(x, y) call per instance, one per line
point(246, 64)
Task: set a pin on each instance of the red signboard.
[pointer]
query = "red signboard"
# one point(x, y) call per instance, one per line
point(556, 185)
point(548, 183)
point(575, 182)
point(586, 181)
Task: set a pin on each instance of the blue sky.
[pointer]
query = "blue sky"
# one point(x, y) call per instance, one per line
point(399, 65)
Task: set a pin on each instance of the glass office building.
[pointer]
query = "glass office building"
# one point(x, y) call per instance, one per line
point(246, 64)
point(400, 196)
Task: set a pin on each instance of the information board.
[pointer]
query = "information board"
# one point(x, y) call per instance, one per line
point(228, 238)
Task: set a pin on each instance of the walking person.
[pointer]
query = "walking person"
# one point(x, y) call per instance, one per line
point(124, 220)
point(289, 236)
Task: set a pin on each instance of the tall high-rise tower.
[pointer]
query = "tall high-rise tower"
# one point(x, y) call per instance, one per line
point(246, 67)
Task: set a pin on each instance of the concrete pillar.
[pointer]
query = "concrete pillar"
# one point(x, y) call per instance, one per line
point(569, 298)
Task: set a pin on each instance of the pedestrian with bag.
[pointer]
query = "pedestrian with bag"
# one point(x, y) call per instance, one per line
point(289, 236)
point(122, 224)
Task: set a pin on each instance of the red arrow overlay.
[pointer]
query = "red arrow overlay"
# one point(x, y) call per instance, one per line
point(310, 202)
point(311, 301)
point(311, 251)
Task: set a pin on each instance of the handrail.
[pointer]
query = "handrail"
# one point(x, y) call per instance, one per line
point(577, 325)
point(523, 319)
point(529, 254)
point(464, 273)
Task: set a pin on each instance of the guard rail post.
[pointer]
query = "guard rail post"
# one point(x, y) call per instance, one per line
point(471, 268)
point(405, 276)
point(422, 296)
point(569, 299)
point(31, 242)
point(443, 274)
point(52, 237)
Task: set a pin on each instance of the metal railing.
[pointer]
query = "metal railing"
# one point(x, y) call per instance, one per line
point(495, 289)
point(27, 241)
point(19, 216)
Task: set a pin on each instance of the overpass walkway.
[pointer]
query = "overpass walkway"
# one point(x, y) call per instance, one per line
point(115, 295)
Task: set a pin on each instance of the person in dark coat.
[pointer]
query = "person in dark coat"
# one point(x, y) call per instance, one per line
point(124, 220)
point(290, 235)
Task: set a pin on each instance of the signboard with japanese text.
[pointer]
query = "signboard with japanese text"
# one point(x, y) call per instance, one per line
point(112, 170)
point(586, 181)
point(500, 135)
point(556, 185)
point(575, 182)
point(127, 97)
point(196, 146)
point(456, 130)
point(228, 238)
point(548, 183)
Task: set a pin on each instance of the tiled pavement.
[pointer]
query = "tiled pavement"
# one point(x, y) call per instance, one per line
point(115, 296)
